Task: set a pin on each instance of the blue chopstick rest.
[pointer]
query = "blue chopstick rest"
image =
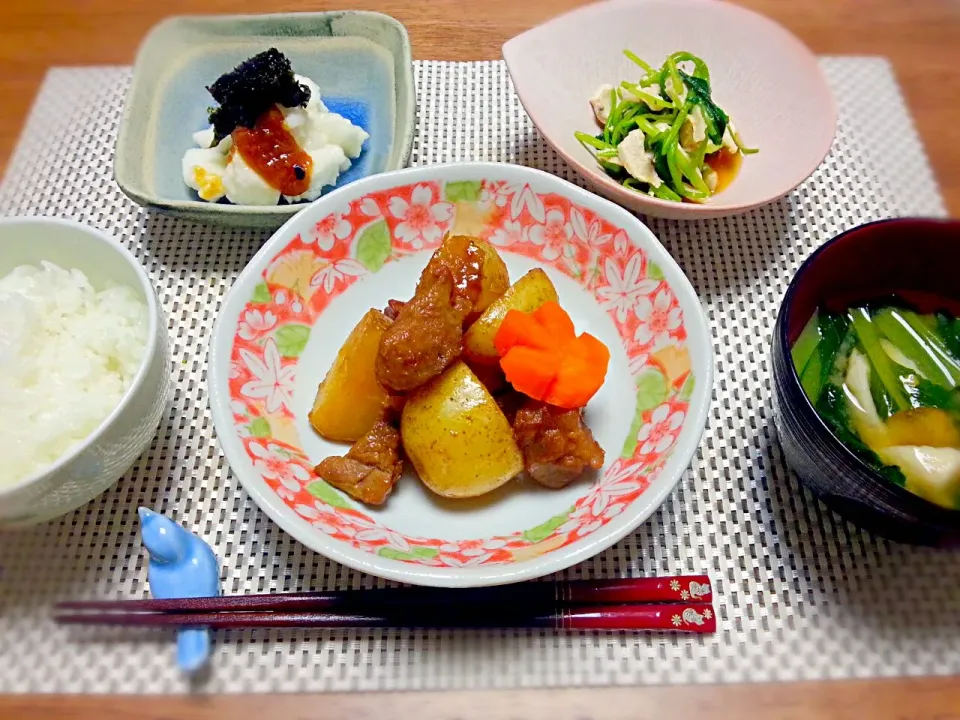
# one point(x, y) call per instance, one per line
point(181, 566)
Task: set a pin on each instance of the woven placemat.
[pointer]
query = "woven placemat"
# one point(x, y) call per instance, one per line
point(800, 594)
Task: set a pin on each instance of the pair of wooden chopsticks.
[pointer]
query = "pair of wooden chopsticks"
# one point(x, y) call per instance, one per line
point(682, 603)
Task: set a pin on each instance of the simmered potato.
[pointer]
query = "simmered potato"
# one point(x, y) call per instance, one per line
point(490, 375)
point(457, 438)
point(479, 272)
point(526, 294)
point(350, 400)
point(494, 277)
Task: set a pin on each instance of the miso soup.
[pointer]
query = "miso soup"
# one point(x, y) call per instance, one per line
point(886, 379)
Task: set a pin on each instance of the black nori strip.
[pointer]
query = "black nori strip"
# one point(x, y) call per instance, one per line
point(250, 89)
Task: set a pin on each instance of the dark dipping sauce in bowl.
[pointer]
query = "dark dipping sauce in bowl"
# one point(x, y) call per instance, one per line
point(915, 259)
point(726, 165)
point(274, 154)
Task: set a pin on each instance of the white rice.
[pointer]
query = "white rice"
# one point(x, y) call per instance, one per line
point(68, 353)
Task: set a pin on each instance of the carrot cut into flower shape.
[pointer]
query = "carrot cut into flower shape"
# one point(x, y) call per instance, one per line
point(556, 321)
point(591, 350)
point(543, 357)
point(530, 370)
point(568, 389)
point(519, 328)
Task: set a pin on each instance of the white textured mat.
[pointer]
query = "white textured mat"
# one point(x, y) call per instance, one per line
point(800, 593)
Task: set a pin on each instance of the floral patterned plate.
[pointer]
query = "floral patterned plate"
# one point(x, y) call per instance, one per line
point(284, 320)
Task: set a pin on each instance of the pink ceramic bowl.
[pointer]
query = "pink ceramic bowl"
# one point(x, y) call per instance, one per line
point(762, 76)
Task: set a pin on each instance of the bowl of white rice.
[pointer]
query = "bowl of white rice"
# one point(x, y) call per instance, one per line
point(84, 366)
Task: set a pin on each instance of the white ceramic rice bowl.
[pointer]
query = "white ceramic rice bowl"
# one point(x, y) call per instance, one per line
point(106, 454)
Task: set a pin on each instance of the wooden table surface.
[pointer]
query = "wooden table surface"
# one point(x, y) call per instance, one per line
point(921, 38)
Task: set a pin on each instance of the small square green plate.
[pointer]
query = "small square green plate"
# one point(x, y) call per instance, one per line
point(360, 60)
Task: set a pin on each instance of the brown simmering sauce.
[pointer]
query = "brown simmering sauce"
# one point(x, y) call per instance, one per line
point(726, 165)
point(272, 151)
point(463, 260)
point(468, 283)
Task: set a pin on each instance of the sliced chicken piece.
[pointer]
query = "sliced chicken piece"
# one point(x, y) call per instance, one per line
point(461, 258)
point(557, 445)
point(393, 308)
point(670, 88)
point(710, 178)
point(370, 468)
point(694, 130)
point(602, 103)
point(425, 339)
point(627, 95)
point(637, 160)
point(654, 90)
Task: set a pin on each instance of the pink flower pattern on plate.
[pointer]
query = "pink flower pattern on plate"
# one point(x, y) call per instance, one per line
point(330, 230)
point(524, 198)
point(638, 363)
point(272, 381)
point(660, 433)
point(256, 322)
point(511, 233)
point(372, 531)
point(621, 242)
point(550, 230)
point(589, 232)
point(658, 318)
point(272, 464)
point(498, 193)
point(368, 206)
point(624, 289)
point(321, 518)
point(328, 276)
point(553, 236)
point(422, 221)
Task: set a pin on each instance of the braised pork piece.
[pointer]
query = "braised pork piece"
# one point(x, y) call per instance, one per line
point(370, 468)
point(557, 445)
